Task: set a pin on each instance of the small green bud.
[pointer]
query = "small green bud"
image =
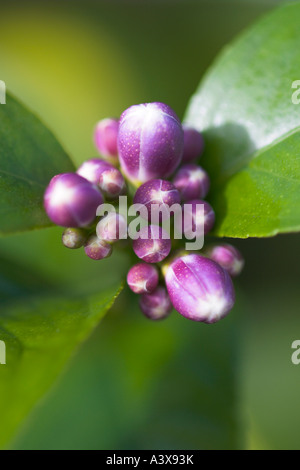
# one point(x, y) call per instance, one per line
point(74, 238)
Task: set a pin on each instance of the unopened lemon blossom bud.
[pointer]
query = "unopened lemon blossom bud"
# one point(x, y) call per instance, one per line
point(199, 288)
point(157, 192)
point(153, 244)
point(228, 257)
point(71, 201)
point(150, 142)
point(142, 278)
point(74, 238)
point(109, 179)
point(193, 144)
point(106, 139)
point(112, 183)
point(112, 227)
point(97, 249)
point(192, 182)
point(198, 217)
point(156, 305)
point(92, 169)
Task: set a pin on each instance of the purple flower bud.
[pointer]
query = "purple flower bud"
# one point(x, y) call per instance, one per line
point(157, 192)
point(97, 249)
point(106, 176)
point(198, 217)
point(74, 238)
point(71, 201)
point(228, 257)
point(153, 244)
point(106, 138)
point(142, 278)
point(112, 183)
point(92, 169)
point(199, 288)
point(112, 227)
point(150, 142)
point(156, 305)
point(193, 144)
point(192, 182)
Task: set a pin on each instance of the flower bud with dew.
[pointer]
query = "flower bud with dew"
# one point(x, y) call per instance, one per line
point(74, 238)
point(97, 249)
point(71, 201)
point(156, 193)
point(150, 142)
point(112, 183)
point(156, 305)
point(193, 144)
point(228, 257)
point(109, 179)
point(142, 278)
point(153, 244)
point(112, 227)
point(192, 182)
point(198, 217)
point(106, 139)
point(199, 288)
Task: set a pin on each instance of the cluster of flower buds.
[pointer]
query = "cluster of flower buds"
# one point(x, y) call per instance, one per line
point(149, 152)
point(72, 199)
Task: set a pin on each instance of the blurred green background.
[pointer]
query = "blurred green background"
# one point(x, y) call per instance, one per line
point(135, 384)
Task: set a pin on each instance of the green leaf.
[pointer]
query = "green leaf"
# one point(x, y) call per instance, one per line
point(29, 157)
point(41, 334)
point(18, 281)
point(158, 385)
point(244, 106)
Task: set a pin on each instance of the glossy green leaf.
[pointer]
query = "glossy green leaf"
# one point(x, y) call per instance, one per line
point(246, 106)
point(41, 334)
point(29, 157)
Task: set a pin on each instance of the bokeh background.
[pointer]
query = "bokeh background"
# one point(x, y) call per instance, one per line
point(135, 384)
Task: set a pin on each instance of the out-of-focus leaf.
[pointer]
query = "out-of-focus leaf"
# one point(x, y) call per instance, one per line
point(41, 334)
point(245, 108)
point(147, 385)
point(29, 157)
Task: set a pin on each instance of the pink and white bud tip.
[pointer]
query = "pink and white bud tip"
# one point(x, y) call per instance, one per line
point(199, 288)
